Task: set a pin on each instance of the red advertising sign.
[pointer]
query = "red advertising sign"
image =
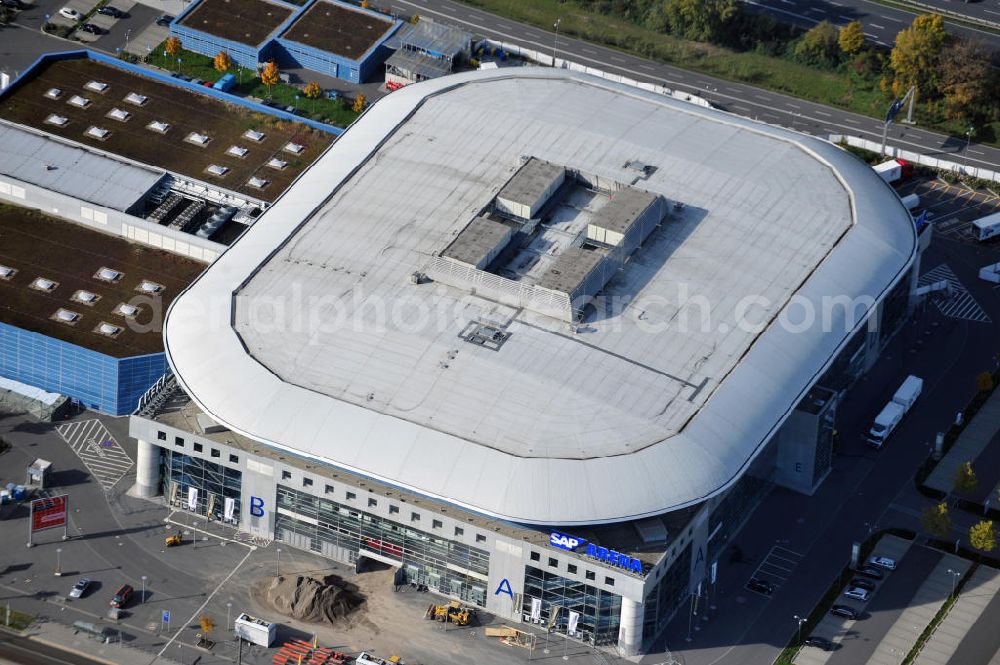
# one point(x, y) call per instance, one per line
point(384, 547)
point(49, 512)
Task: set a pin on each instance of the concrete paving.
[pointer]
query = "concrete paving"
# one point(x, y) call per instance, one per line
point(980, 592)
point(921, 610)
point(969, 445)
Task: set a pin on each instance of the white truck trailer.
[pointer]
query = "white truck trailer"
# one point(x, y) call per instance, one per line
point(987, 227)
point(892, 414)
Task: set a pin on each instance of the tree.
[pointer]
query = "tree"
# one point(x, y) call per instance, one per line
point(982, 536)
point(915, 57)
point(359, 104)
point(984, 381)
point(701, 20)
point(415, 19)
point(222, 62)
point(312, 90)
point(967, 80)
point(365, 4)
point(852, 38)
point(936, 520)
point(820, 46)
point(173, 46)
point(269, 76)
point(966, 481)
point(207, 624)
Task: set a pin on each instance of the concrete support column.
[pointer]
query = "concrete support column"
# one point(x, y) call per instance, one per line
point(630, 628)
point(147, 470)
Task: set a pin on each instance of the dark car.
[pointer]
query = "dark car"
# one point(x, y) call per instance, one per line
point(91, 28)
point(871, 571)
point(819, 643)
point(845, 611)
point(108, 10)
point(760, 586)
point(164, 19)
point(122, 596)
point(861, 583)
point(13, 4)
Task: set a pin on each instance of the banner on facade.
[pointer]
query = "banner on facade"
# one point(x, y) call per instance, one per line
point(536, 609)
point(715, 570)
point(192, 498)
point(574, 619)
point(230, 509)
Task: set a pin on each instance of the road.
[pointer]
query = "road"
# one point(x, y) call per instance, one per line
point(882, 23)
point(746, 100)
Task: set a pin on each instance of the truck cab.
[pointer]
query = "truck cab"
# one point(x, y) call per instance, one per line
point(885, 422)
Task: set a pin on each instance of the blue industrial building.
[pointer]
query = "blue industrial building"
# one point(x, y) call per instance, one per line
point(95, 380)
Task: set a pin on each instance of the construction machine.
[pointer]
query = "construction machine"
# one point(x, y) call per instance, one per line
point(454, 612)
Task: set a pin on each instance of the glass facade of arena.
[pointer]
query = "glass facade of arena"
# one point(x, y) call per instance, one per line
point(342, 532)
point(670, 592)
point(214, 482)
point(599, 610)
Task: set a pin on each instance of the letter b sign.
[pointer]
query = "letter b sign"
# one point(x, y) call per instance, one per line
point(256, 506)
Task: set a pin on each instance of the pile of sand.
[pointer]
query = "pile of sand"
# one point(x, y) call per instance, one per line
point(324, 599)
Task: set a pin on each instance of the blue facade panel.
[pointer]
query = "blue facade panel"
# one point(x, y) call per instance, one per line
point(210, 45)
point(98, 381)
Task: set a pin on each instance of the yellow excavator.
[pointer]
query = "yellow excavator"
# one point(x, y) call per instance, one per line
point(454, 612)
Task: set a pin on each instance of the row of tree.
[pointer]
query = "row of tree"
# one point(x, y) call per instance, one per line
point(936, 520)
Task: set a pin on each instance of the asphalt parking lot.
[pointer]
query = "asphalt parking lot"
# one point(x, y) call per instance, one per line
point(951, 207)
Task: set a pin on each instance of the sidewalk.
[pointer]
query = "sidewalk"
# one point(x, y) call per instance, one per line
point(62, 637)
point(970, 444)
point(982, 588)
point(921, 611)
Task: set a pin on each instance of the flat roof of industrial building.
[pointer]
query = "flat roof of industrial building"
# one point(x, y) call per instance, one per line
point(622, 209)
point(345, 31)
point(531, 181)
point(248, 22)
point(184, 112)
point(71, 256)
point(477, 240)
point(328, 349)
point(103, 180)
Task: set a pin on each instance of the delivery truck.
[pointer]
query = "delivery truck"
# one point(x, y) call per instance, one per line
point(987, 227)
point(894, 170)
point(254, 630)
point(892, 414)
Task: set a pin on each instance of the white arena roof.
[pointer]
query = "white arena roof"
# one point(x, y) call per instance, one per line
point(622, 416)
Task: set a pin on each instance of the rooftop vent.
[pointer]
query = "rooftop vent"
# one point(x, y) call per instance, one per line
point(197, 139)
point(258, 183)
point(217, 170)
point(294, 148)
point(277, 164)
point(119, 114)
point(108, 275)
point(43, 284)
point(253, 135)
point(53, 93)
point(108, 329)
point(6, 272)
point(96, 86)
point(147, 286)
point(78, 101)
point(237, 151)
point(85, 297)
point(158, 126)
point(126, 310)
point(57, 120)
point(65, 316)
point(136, 99)
point(98, 133)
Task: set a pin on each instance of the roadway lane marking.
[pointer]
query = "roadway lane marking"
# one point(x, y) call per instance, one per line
point(852, 120)
point(98, 450)
point(823, 113)
point(794, 106)
point(889, 18)
point(959, 303)
point(876, 25)
point(766, 99)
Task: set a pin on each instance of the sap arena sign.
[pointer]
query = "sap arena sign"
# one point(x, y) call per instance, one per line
point(614, 558)
point(564, 542)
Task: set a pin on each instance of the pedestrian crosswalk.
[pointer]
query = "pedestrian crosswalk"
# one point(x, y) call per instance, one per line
point(98, 450)
point(958, 303)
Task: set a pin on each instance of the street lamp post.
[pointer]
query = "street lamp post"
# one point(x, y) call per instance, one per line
point(968, 139)
point(229, 626)
point(555, 39)
point(58, 562)
point(127, 33)
point(798, 633)
point(277, 563)
point(143, 602)
point(954, 576)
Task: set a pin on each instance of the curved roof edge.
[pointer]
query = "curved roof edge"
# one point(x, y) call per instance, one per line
point(711, 453)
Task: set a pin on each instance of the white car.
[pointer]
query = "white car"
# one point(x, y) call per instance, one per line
point(80, 588)
point(882, 562)
point(857, 593)
point(70, 13)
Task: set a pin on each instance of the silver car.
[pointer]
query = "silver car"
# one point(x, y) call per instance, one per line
point(80, 588)
point(857, 593)
point(882, 562)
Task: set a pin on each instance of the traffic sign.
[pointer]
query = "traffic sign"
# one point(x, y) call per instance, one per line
point(166, 616)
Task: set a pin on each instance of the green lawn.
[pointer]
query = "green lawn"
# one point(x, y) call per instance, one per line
point(832, 88)
point(331, 111)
